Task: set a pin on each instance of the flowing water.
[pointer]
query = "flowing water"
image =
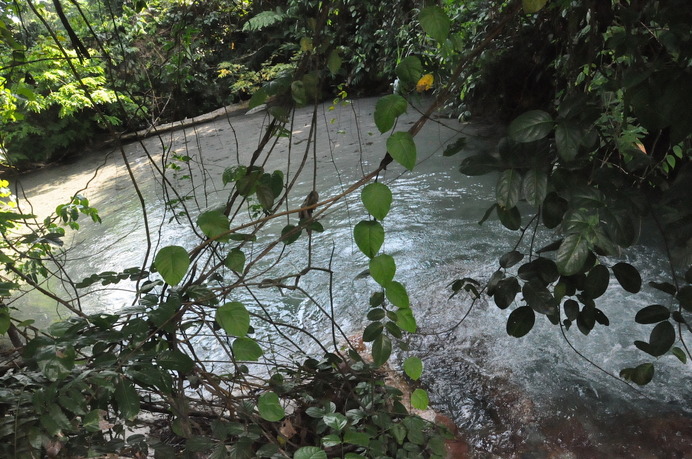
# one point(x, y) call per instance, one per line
point(529, 397)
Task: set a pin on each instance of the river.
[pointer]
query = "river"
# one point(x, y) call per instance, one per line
point(529, 397)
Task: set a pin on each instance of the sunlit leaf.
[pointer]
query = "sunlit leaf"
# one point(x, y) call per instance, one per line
point(213, 223)
point(387, 110)
point(235, 260)
point(270, 407)
point(409, 70)
point(246, 349)
point(533, 6)
point(369, 237)
point(234, 318)
point(382, 269)
point(520, 321)
point(397, 295)
point(172, 263)
point(531, 126)
point(406, 320)
point(435, 22)
point(377, 199)
point(419, 399)
point(402, 148)
point(334, 62)
point(413, 367)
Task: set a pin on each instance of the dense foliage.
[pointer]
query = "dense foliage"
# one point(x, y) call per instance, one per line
point(599, 140)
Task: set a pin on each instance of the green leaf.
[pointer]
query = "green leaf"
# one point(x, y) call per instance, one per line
point(234, 318)
point(377, 199)
point(54, 420)
point(571, 309)
point(419, 399)
point(684, 296)
point(535, 187)
point(397, 295)
point(533, 6)
point(405, 320)
point(381, 350)
point(294, 234)
point(413, 367)
point(652, 314)
point(520, 321)
point(265, 195)
point(586, 319)
point(538, 297)
point(510, 218)
point(334, 62)
point(387, 110)
point(235, 260)
point(435, 22)
point(4, 320)
point(336, 421)
point(455, 147)
point(175, 360)
point(382, 269)
point(127, 399)
point(331, 440)
point(628, 277)
point(270, 408)
point(213, 223)
point(402, 148)
point(531, 126)
point(409, 71)
point(680, 354)
point(372, 331)
point(567, 140)
point(172, 263)
point(298, 92)
point(642, 375)
point(357, 438)
point(661, 339)
point(510, 259)
point(310, 452)
point(369, 237)
point(478, 165)
point(257, 99)
point(508, 188)
point(246, 349)
point(597, 282)
point(505, 292)
point(572, 254)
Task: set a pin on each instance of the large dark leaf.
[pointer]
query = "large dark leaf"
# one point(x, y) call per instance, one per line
point(510, 259)
point(554, 208)
point(531, 126)
point(628, 277)
point(661, 339)
point(596, 281)
point(510, 218)
point(506, 291)
point(535, 187)
point(538, 298)
point(652, 314)
point(572, 254)
point(478, 165)
point(586, 320)
point(520, 321)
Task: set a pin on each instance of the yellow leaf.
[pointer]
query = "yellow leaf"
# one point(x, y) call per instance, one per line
point(533, 6)
point(425, 83)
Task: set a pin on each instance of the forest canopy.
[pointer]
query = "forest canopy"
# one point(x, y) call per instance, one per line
point(596, 97)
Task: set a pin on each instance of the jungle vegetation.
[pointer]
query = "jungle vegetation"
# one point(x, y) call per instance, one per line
point(596, 95)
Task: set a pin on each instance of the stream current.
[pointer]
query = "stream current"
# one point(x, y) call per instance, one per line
point(529, 397)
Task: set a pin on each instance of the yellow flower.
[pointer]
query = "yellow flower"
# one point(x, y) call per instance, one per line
point(425, 83)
